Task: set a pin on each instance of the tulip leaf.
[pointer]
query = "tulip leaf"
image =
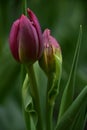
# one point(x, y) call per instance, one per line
point(68, 117)
point(85, 121)
point(78, 123)
point(31, 117)
point(42, 86)
point(67, 97)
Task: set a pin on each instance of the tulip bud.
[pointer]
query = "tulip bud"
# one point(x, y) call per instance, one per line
point(52, 52)
point(25, 39)
point(51, 64)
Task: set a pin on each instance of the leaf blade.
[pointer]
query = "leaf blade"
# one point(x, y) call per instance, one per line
point(68, 117)
point(68, 93)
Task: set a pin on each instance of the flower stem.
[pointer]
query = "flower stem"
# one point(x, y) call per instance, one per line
point(49, 106)
point(52, 92)
point(49, 116)
point(24, 6)
point(35, 95)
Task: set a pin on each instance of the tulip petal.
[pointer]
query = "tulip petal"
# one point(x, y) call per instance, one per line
point(48, 39)
point(13, 40)
point(36, 24)
point(28, 40)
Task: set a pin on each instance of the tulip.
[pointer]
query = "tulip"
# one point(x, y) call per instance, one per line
point(51, 64)
point(25, 38)
point(52, 51)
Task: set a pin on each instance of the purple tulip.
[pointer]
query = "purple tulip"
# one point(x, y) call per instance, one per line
point(25, 39)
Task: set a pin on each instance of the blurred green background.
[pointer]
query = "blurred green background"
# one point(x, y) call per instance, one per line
point(63, 18)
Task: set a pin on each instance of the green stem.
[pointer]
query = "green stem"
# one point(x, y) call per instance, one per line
point(24, 6)
point(49, 106)
point(49, 116)
point(52, 92)
point(35, 95)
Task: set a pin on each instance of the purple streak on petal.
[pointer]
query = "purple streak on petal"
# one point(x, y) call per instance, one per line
point(28, 40)
point(13, 39)
point(48, 39)
point(36, 24)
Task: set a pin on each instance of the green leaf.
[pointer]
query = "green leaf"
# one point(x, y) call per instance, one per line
point(35, 93)
point(42, 87)
point(68, 117)
point(78, 122)
point(85, 121)
point(31, 117)
point(68, 93)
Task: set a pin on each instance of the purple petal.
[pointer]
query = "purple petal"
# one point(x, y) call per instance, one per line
point(36, 24)
point(48, 39)
point(13, 39)
point(28, 40)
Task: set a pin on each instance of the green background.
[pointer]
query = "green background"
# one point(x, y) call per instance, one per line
point(63, 18)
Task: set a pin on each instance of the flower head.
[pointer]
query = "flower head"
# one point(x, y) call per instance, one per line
point(25, 38)
point(52, 53)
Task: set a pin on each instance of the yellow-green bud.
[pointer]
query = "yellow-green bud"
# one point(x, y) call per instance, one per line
point(52, 52)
